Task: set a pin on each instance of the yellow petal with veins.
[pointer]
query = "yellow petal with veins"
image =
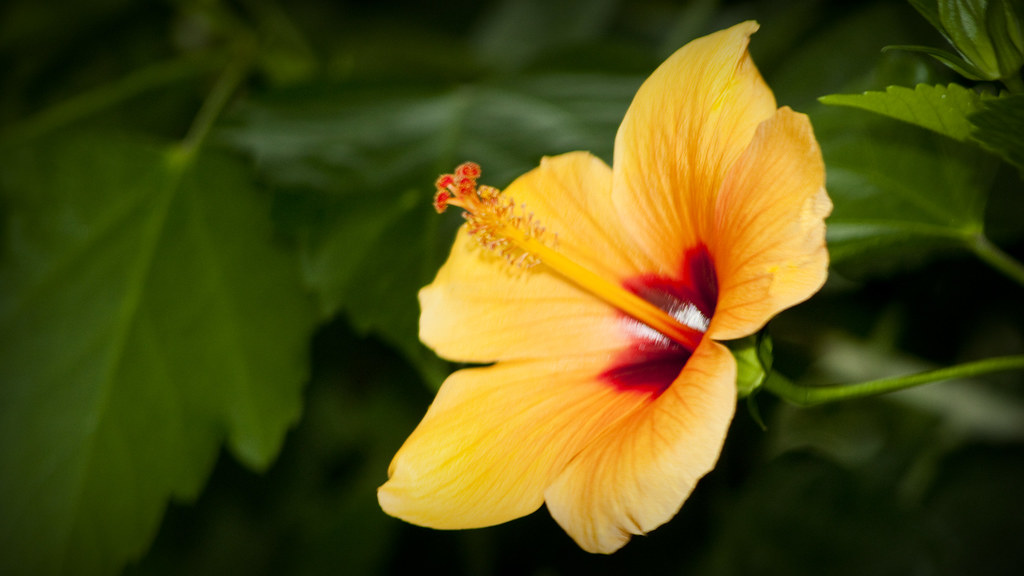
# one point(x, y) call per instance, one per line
point(481, 309)
point(636, 475)
point(495, 438)
point(767, 236)
point(688, 123)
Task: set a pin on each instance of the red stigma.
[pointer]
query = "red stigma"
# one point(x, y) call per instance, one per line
point(444, 181)
point(441, 200)
point(458, 189)
point(469, 170)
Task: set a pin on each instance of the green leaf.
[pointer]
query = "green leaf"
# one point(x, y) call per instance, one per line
point(146, 316)
point(964, 22)
point(987, 35)
point(358, 166)
point(320, 497)
point(952, 61)
point(1007, 35)
point(899, 193)
point(999, 127)
point(942, 109)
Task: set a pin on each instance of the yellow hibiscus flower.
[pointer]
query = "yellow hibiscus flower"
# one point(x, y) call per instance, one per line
point(599, 297)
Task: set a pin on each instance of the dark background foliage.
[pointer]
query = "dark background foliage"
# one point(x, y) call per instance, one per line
point(214, 319)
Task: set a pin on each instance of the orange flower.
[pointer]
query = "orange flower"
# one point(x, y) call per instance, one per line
point(600, 296)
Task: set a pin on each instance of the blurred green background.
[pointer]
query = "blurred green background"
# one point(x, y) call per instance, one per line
point(208, 348)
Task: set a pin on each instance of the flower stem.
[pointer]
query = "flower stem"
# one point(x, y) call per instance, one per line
point(996, 258)
point(151, 78)
point(216, 101)
point(812, 395)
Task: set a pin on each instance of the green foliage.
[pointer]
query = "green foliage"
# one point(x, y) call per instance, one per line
point(898, 193)
point(941, 109)
point(987, 34)
point(963, 114)
point(901, 196)
point(317, 506)
point(368, 237)
point(147, 317)
point(894, 187)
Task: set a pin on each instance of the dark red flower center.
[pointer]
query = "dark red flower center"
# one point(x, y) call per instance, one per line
point(653, 361)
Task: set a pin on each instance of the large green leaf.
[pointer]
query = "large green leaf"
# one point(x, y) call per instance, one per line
point(899, 192)
point(942, 109)
point(357, 166)
point(317, 505)
point(997, 123)
point(146, 315)
point(902, 195)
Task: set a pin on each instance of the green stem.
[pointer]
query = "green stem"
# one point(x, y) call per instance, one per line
point(108, 96)
point(213, 106)
point(812, 395)
point(216, 101)
point(996, 258)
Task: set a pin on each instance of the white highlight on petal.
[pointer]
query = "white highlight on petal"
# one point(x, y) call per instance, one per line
point(685, 312)
point(690, 315)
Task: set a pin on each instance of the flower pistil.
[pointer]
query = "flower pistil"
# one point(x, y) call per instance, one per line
point(498, 225)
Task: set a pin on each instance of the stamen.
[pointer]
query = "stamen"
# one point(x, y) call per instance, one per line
point(498, 225)
point(493, 220)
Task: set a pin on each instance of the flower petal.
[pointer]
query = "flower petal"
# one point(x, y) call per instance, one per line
point(496, 437)
point(571, 196)
point(636, 476)
point(480, 308)
point(768, 231)
point(686, 126)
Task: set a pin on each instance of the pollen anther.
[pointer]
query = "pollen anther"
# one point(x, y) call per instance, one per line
point(491, 218)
